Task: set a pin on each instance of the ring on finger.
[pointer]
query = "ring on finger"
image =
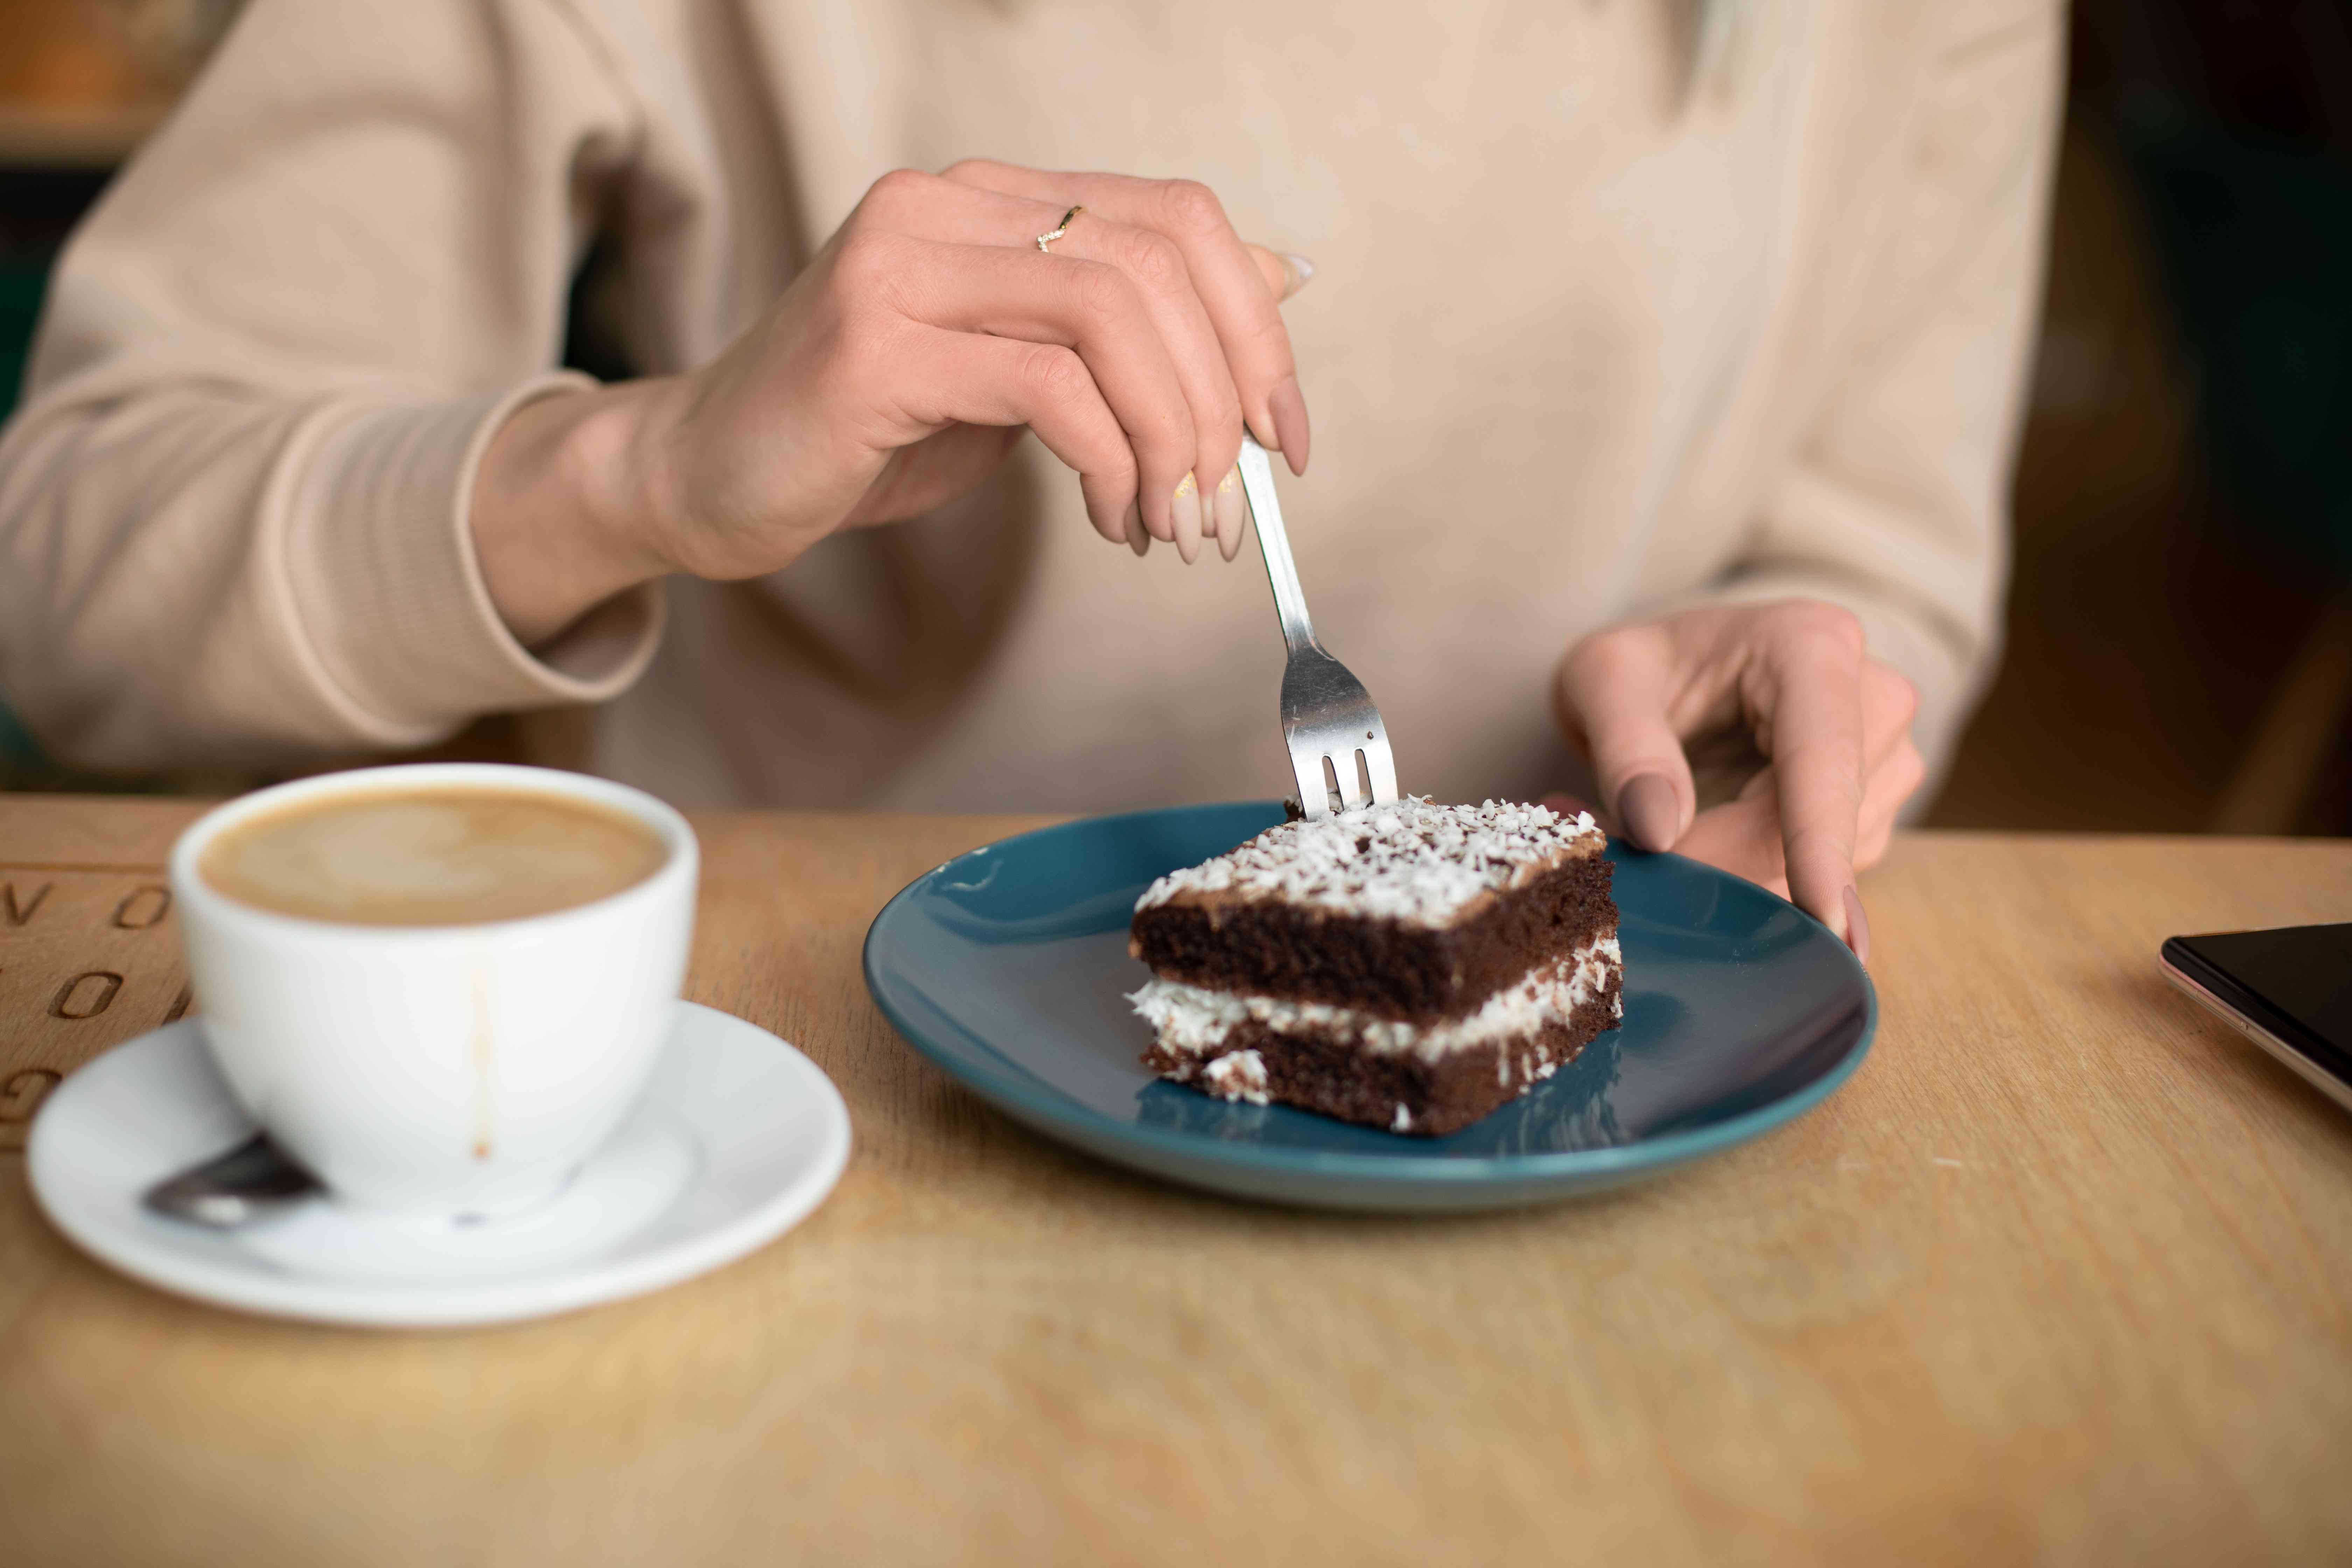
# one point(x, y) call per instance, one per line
point(1045, 240)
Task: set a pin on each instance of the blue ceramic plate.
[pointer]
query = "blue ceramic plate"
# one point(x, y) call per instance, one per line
point(1008, 967)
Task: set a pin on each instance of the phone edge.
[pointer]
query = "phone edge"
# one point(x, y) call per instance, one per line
point(2289, 1054)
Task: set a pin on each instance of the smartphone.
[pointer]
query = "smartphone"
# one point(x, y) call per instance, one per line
point(2290, 990)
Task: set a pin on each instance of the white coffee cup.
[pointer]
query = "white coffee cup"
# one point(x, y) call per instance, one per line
point(457, 1069)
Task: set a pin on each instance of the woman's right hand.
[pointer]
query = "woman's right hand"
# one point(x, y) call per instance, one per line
point(897, 371)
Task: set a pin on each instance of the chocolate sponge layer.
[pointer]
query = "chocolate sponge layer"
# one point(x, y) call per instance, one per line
point(1269, 947)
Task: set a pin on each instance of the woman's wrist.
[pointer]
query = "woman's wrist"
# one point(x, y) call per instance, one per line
point(564, 509)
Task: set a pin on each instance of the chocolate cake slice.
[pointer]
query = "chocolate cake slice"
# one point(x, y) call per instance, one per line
point(1410, 966)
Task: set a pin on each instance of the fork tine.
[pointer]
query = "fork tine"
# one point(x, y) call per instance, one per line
point(1351, 781)
point(1381, 763)
point(1306, 764)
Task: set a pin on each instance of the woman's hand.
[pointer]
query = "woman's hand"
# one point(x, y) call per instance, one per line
point(897, 371)
point(1791, 681)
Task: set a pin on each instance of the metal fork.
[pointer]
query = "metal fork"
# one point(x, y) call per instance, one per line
point(1339, 747)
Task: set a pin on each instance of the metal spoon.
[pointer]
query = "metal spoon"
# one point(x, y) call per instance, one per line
point(254, 1179)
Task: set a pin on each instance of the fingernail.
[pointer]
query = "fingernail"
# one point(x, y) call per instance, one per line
point(1857, 927)
point(1289, 411)
point(1232, 512)
point(1301, 272)
point(1184, 517)
point(1651, 814)
point(1137, 539)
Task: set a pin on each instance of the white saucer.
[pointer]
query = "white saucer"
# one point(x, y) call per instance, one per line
point(739, 1138)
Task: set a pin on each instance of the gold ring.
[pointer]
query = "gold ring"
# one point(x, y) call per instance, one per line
point(1045, 240)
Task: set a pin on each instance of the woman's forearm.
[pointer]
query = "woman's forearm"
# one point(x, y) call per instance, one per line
point(562, 513)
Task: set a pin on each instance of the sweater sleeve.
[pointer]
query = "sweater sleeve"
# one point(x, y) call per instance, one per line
point(233, 508)
point(1894, 502)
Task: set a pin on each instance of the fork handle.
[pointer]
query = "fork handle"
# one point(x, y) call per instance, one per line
point(1281, 572)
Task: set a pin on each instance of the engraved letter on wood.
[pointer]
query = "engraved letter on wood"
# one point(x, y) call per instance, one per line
point(87, 995)
point(21, 1092)
point(143, 906)
point(17, 911)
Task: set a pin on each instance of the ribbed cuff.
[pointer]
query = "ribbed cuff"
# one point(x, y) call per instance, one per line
point(380, 557)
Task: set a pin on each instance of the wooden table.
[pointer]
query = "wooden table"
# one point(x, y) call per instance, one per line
point(2064, 1275)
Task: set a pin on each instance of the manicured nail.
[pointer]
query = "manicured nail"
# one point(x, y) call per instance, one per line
point(1137, 539)
point(1652, 817)
point(1289, 411)
point(1301, 272)
point(1857, 927)
point(1184, 518)
point(1232, 512)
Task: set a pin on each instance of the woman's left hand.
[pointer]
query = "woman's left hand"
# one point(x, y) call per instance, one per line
point(1793, 680)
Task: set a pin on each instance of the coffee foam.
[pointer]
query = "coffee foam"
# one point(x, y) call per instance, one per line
point(431, 857)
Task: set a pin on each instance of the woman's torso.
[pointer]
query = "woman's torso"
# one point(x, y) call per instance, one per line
point(1550, 352)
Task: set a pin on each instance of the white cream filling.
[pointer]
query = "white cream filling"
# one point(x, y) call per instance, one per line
point(1195, 1021)
point(1239, 1075)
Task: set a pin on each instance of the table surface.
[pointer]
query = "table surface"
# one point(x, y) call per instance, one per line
point(2064, 1274)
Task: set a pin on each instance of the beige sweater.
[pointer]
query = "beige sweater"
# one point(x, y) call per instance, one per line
point(1586, 338)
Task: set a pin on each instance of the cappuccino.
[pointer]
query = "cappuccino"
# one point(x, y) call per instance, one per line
point(431, 857)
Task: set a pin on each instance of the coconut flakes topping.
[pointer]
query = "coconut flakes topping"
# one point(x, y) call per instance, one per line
point(1414, 861)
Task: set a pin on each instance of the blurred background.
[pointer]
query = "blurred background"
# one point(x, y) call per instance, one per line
point(2180, 654)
